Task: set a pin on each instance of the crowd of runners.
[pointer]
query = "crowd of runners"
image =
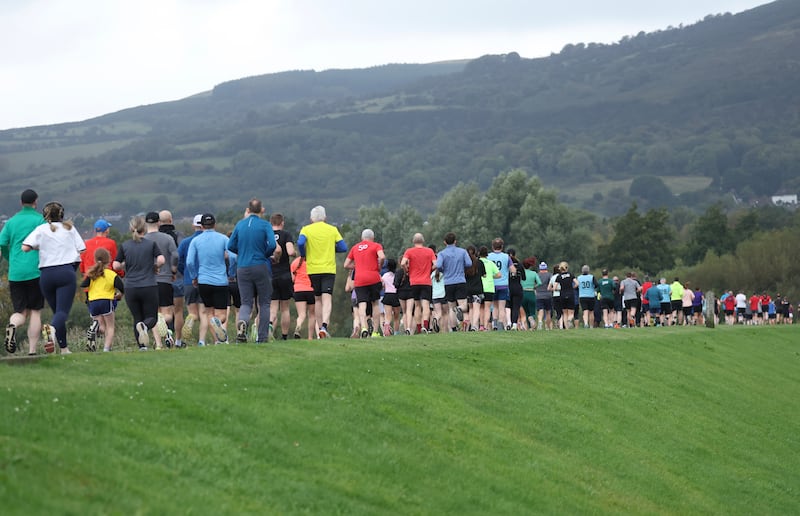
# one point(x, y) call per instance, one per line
point(478, 289)
point(174, 284)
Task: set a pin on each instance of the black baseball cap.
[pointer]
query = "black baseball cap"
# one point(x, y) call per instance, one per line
point(207, 220)
point(28, 196)
point(151, 217)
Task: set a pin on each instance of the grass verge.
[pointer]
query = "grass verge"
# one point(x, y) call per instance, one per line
point(670, 421)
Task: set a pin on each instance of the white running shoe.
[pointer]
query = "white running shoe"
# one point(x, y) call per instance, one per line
point(142, 336)
point(49, 334)
point(241, 331)
point(220, 333)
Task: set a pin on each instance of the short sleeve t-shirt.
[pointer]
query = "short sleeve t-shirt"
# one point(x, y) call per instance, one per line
point(92, 245)
point(60, 247)
point(22, 266)
point(365, 256)
point(502, 261)
point(629, 289)
point(139, 259)
point(566, 279)
point(606, 287)
point(321, 239)
point(281, 268)
point(420, 264)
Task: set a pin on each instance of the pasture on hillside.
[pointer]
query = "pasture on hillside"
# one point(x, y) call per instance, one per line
point(655, 420)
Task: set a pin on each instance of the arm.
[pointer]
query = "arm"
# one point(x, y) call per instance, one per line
point(273, 249)
point(512, 269)
point(341, 246)
point(119, 284)
point(381, 259)
point(233, 241)
point(301, 245)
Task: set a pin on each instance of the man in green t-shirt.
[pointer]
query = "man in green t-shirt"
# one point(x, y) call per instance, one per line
point(23, 273)
point(605, 289)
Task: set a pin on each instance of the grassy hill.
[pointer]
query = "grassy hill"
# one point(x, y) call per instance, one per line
point(715, 102)
point(667, 421)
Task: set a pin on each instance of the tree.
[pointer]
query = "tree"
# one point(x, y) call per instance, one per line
point(642, 243)
point(651, 189)
point(709, 232)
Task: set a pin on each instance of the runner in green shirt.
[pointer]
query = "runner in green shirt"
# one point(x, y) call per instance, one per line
point(23, 273)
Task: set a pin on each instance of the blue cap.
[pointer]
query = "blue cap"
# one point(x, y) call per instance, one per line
point(101, 225)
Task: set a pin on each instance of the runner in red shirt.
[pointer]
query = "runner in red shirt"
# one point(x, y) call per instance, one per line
point(755, 307)
point(367, 258)
point(418, 262)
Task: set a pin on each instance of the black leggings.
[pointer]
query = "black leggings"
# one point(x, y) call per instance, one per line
point(514, 300)
point(143, 304)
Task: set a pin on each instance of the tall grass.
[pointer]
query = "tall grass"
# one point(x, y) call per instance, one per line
point(668, 420)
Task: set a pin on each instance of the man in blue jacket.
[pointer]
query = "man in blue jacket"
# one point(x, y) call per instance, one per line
point(253, 240)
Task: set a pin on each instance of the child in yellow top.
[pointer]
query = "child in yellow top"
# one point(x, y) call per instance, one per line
point(105, 289)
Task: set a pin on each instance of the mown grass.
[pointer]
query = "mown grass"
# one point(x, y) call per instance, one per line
point(666, 421)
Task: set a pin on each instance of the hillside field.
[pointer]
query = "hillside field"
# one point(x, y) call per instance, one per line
point(656, 421)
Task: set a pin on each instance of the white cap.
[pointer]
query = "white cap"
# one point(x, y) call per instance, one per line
point(196, 221)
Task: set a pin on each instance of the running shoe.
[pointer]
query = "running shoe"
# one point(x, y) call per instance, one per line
point(49, 334)
point(365, 334)
point(370, 327)
point(161, 326)
point(141, 335)
point(408, 332)
point(424, 330)
point(11, 338)
point(91, 336)
point(169, 340)
point(241, 331)
point(188, 325)
point(435, 324)
point(297, 335)
point(459, 314)
point(271, 336)
point(323, 333)
point(387, 329)
point(220, 333)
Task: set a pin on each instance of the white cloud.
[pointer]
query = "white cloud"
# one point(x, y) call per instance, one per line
point(74, 60)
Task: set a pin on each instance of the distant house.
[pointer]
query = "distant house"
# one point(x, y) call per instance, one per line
point(784, 200)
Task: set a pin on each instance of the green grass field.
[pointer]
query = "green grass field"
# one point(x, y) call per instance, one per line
point(655, 421)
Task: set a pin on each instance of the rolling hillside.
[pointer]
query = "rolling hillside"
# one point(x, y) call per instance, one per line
point(712, 108)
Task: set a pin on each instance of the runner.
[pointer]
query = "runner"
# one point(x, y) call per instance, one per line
point(206, 263)
point(253, 241)
point(318, 243)
point(281, 275)
point(501, 295)
point(453, 262)
point(366, 259)
point(27, 300)
point(587, 293)
point(418, 262)
point(60, 246)
point(138, 258)
point(164, 277)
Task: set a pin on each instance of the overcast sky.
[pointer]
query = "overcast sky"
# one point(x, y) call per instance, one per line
point(69, 60)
